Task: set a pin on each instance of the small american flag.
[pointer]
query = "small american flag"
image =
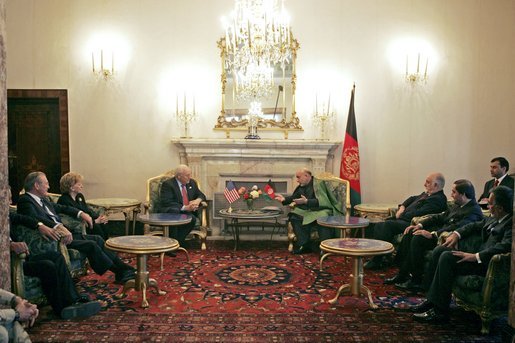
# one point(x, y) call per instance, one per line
point(230, 192)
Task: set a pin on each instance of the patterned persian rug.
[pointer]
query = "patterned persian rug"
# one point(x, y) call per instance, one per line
point(260, 293)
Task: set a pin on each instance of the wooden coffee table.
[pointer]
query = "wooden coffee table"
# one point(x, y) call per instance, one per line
point(357, 248)
point(142, 246)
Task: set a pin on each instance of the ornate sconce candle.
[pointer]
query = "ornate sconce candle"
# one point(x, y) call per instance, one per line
point(415, 75)
point(103, 63)
point(323, 117)
point(185, 115)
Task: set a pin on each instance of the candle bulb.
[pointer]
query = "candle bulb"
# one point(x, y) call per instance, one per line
point(112, 62)
point(101, 60)
point(328, 104)
point(316, 103)
point(406, 65)
point(176, 105)
point(184, 103)
point(193, 104)
point(93, 60)
point(418, 62)
point(425, 71)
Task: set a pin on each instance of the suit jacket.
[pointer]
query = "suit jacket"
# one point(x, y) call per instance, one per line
point(454, 217)
point(507, 181)
point(170, 197)
point(497, 241)
point(308, 191)
point(79, 203)
point(29, 206)
point(417, 205)
point(6, 314)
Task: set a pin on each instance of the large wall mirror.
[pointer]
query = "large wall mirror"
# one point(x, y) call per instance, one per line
point(277, 103)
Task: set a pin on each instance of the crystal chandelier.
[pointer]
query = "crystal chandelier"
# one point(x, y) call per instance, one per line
point(256, 83)
point(257, 39)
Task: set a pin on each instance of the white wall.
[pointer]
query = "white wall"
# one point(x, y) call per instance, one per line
point(120, 130)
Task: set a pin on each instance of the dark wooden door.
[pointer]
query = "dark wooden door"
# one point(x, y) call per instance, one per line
point(38, 136)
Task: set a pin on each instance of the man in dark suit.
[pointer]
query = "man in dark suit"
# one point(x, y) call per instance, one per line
point(431, 201)
point(181, 194)
point(304, 199)
point(449, 261)
point(499, 167)
point(50, 267)
point(420, 238)
point(34, 203)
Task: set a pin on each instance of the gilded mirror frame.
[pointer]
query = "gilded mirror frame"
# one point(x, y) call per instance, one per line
point(287, 123)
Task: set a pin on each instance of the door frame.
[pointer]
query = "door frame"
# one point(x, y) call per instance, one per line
point(62, 96)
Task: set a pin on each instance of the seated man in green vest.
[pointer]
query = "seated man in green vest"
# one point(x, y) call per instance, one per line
point(310, 200)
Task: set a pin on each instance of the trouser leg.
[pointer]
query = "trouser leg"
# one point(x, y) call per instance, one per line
point(446, 271)
point(56, 280)
point(302, 232)
point(98, 260)
point(417, 253)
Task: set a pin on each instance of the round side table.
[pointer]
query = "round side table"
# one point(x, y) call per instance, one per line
point(357, 248)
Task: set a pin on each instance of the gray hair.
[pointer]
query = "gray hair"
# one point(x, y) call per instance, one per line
point(31, 179)
point(181, 169)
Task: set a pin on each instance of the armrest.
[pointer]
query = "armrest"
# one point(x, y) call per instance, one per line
point(63, 249)
point(416, 220)
point(498, 267)
point(17, 277)
point(204, 218)
point(146, 207)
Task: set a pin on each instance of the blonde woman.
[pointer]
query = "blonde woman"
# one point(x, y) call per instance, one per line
point(71, 190)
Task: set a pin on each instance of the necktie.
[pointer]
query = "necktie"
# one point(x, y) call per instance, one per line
point(47, 209)
point(490, 227)
point(496, 183)
point(185, 200)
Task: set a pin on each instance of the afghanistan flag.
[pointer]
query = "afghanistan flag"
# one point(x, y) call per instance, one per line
point(349, 166)
point(270, 189)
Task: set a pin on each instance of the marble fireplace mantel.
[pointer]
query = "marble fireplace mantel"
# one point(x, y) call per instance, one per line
point(213, 161)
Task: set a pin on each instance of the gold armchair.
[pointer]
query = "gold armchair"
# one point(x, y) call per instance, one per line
point(338, 193)
point(152, 200)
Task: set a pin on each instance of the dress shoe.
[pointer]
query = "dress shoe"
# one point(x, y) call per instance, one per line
point(433, 316)
point(396, 279)
point(81, 310)
point(424, 306)
point(409, 285)
point(124, 276)
point(374, 264)
point(303, 249)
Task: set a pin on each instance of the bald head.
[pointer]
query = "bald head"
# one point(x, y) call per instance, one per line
point(303, 176)
point(183, 174)
point(434, 183)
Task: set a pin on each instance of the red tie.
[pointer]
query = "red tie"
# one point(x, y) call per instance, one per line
point(185, 200)
point(496, 183)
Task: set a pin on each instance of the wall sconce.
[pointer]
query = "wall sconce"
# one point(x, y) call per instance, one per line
point(103, 63)
point(186, 116)
point(416, 76)
point(322, 117)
